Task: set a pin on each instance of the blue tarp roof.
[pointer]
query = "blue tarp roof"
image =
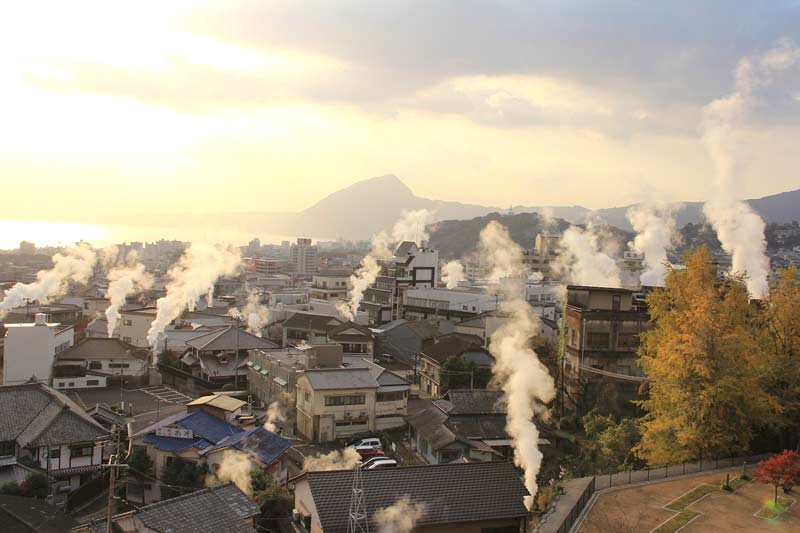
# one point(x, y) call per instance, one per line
point(207, 429)
point(265, 445)
point(172, 444)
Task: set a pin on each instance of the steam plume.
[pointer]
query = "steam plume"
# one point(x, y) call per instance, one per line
point(255, 315)
point(236, 467)
point(655, 229)
point(346, 459)
point(582, 261)
point(365, 276)
point(123, 281)
point(517, 369)
point(73, 264)
point(275, 414)
point(412, 226)
point(738, 227)
point(192, 278)
point(453, 274)
point(401, 516)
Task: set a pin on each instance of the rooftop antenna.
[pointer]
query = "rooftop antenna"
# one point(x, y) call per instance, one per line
point(358, 521)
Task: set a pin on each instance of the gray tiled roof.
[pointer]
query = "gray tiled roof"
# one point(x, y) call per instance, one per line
point(341, 378)
point(35, 414)
point(230, 338)
point(213, 510)
point(29, 514)
point(452, 493)
point(473, 402)
point(311, 322)
point(103, 348)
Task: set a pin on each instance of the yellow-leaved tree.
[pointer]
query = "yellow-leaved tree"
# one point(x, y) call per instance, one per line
point(706, 393)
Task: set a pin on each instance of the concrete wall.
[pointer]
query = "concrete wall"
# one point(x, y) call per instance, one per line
point(30, 350)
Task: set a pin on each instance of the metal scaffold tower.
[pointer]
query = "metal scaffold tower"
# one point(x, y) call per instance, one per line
point(358, 522)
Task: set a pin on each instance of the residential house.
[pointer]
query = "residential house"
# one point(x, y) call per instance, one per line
point(211, 510)
point(333, 403)
point(220, 356)
point(200, 438)
point(436, 351)
point(108, 357)
point(66, 314)
point(354, 338)
point(19, 514)
point(134, 324)
point(329, 285)
point(50, 431)
point(307, 328)
point(403, 339)
point(467, 497)
point(448, 304)
point(31, 348)
point(468, 424)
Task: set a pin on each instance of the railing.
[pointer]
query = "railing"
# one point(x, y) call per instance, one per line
point(651, 473)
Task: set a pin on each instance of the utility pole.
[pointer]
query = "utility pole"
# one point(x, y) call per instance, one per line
point(113, 464)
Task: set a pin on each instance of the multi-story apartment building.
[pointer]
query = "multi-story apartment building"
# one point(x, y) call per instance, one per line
point(602, 338)
point(304, 258)
point(411, 267)
point(329, 285)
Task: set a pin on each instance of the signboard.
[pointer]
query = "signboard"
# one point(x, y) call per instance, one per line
point(176, 433)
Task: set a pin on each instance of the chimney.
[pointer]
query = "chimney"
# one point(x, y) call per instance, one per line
point(40, 319)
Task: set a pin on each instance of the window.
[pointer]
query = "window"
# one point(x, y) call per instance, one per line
point(81, 451)
point(572, 336)
point(95, 365)
point(308, 396)
point(597, 340)
point(127, 322)
point(391, 396)
point(92, 382)
point(356, 399)
point(126, 339)
point(7, 447)
point(71, 384)
point(119, 365)
point(55, 453)
point(616, 300)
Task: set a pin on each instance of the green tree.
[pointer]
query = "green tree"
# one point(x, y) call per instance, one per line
point(608, 444)
point(274, 500)
point(701, 357)
point(9, 488)
point(35, 486)
point(184, 476)
point(141, 467)
point(455, 374)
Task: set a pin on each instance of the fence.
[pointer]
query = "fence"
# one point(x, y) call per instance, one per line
point(569, 505)
point(604, 481)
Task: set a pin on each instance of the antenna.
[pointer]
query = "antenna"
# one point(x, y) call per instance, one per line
point(358, 522)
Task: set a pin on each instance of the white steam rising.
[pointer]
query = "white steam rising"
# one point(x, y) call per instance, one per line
point(124, 281)
point(365, 276)
point(582, 261)
point(193, 277)
point(235, 467)
point(72, 264)
point(400, 517)
point(275, 414)
point(254, 314)
point(412, 226)
point(453, 274)
point(655, 230)
point(523, 378)
point(738, 227)
point(346, 459)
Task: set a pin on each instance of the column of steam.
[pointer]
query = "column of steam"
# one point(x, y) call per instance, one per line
point(582, 262)
point(655, 231)
point(72, 264)
point(193, 277)
point(527, 385)
point(123, 281)
point(738, 227)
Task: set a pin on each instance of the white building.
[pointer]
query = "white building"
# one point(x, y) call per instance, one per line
point(30, 349)
point(450, 304)
point(304, 257)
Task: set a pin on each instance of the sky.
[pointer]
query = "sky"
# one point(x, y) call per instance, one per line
point(254, 105)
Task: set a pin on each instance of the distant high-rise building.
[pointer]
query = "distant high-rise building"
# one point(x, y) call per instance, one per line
point(26, 247)
point(304, 257)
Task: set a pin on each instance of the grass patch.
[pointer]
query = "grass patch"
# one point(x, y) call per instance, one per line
point(773, 510)
point(739, 483)
point(690, 497)
point(676, 522)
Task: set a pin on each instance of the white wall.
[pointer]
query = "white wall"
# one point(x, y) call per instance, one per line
point(79, 382)
point(30, 350)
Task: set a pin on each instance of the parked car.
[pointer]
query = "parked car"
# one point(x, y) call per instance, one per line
point(372, 442)
point(381, 462)
point(368, 452)
point(389, 358)
point(368, 462)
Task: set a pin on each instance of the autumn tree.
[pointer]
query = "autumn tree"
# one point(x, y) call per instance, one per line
point(779, 340)
point(701, 357)
point(779, 471)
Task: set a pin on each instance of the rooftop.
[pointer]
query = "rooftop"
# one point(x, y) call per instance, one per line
point(313, 322)
point(220, 401)
point(103, 348)
point(341, 378)
point(229, 338)
point(452, 493)
point(20, 514)
point(445, 346)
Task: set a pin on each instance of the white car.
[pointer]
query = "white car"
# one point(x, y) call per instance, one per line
point(379, 462)
point(371, 442)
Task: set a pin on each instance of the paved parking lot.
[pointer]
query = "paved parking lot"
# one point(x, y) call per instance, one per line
point(166, 394)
